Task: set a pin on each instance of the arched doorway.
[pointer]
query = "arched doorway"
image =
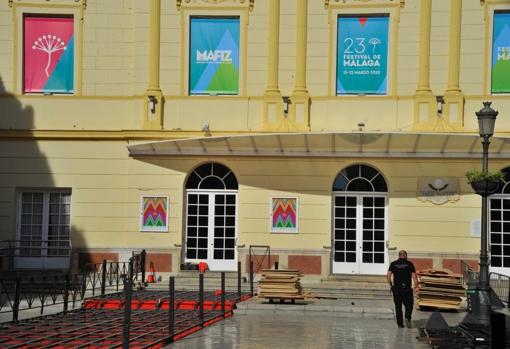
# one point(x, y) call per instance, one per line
point(499, 227)
point(360, 204)
point(211, 217)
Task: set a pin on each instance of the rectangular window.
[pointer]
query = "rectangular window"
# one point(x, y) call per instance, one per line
point(44, 223)
point(501, 53)
point(48, 54)
point(214, 56)
point(362, 54)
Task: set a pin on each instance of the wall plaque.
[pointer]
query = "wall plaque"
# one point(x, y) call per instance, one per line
point(438, 190)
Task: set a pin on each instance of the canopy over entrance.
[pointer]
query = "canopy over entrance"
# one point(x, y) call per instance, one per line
point(322, 144)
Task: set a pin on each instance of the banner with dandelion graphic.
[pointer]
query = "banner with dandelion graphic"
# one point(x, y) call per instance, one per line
point(48, 55)
point(362, 57)
point(154, 215)
point(284, 215)
point(501, 53)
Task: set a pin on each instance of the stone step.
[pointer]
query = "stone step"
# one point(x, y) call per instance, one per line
point(368, 309)
point(355, 278)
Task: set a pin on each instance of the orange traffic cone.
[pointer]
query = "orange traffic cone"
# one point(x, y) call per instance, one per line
point(151, 278)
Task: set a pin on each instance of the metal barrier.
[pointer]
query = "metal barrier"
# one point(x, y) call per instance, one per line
point(27, 290)
point(15, 250)
point(136, 317)
point(257, 259)
point(501, 285)
point(195, 321)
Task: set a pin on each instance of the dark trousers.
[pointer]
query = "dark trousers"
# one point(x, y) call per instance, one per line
point(403, 295)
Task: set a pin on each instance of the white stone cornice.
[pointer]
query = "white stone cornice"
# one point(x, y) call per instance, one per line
point(181, 3)
point(328, 3)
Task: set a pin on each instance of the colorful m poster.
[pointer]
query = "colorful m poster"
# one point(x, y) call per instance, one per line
point(154, 213)
point(214, 56)
point(501, 53)
point(284, 215)
point(48, 55)
point(362, 57)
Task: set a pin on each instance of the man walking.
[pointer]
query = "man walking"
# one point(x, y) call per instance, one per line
point(402, 271)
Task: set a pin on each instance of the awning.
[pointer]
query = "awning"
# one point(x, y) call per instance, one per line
point(322, 144)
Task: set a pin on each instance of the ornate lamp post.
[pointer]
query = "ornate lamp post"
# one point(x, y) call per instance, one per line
point(486, 120)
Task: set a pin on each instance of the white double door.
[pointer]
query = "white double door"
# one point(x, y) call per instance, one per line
point(359, 234)
point(499, 233)
point(211, 229)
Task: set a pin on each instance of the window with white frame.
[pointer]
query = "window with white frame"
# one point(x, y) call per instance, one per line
point(44, 222)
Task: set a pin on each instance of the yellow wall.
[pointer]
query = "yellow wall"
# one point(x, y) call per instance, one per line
point(79, 141)
point(113, 60)
point(106, 188)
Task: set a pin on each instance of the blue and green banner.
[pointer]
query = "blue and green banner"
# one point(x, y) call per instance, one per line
point(362, 57)
point(501, 53)
point(214, 56)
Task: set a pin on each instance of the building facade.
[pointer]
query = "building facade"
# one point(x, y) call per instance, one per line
point(334, 132)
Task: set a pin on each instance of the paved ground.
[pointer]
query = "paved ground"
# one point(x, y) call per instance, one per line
point(348, 327)
point(287, 331)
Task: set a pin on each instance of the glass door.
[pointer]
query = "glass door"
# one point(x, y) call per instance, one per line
point(211, 233)
point(359, 234)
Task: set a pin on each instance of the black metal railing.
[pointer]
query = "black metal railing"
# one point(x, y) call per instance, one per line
point(135, 317)
point(260, 257)
point(501, 285)
point(10, 250)
point(198, 315)
point(28, 290)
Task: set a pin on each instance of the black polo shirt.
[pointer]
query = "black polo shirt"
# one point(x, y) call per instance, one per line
point(402, 270)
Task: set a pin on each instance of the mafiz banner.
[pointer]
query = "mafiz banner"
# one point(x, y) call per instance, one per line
point(501, 53)
point(362, 56)
point(48, 56)
point(214, 56)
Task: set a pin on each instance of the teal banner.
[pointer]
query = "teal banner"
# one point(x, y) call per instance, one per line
point(362, 57)
point(501, 53)
point(214, 56)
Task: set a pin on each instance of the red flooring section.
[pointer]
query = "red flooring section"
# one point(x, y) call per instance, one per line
point(99, 324)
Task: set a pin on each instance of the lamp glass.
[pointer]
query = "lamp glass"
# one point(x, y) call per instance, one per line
point(486, 125)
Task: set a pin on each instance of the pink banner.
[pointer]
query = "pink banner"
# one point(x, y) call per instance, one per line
point(48, 54)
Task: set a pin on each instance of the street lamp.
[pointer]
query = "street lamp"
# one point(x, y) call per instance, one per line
point(486, 120)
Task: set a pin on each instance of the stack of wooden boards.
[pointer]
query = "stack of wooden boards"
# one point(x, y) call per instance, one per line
point(280, 284)
point(440, 290)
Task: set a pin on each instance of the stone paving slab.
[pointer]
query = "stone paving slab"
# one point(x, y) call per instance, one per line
point(282, 331)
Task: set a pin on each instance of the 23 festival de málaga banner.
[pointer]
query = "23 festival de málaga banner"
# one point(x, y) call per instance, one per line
point(501, 53)
point(362, 57)
point(214, 56)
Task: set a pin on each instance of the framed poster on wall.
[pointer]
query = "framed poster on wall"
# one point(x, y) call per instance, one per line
point(214, 56)
point(362, 54)
point(48, 54)
point(154, 213)
point(284, 215)
point(501, 53)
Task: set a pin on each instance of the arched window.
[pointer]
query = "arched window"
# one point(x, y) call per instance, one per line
point(360, 178)
point(212, 176)
point(360, 201)
point(504, 188)
point(211, 217)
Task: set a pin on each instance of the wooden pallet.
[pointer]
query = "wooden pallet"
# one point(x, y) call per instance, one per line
point(440, 290)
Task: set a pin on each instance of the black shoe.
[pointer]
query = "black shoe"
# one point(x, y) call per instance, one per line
point(400, 325)
point(408, 323)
